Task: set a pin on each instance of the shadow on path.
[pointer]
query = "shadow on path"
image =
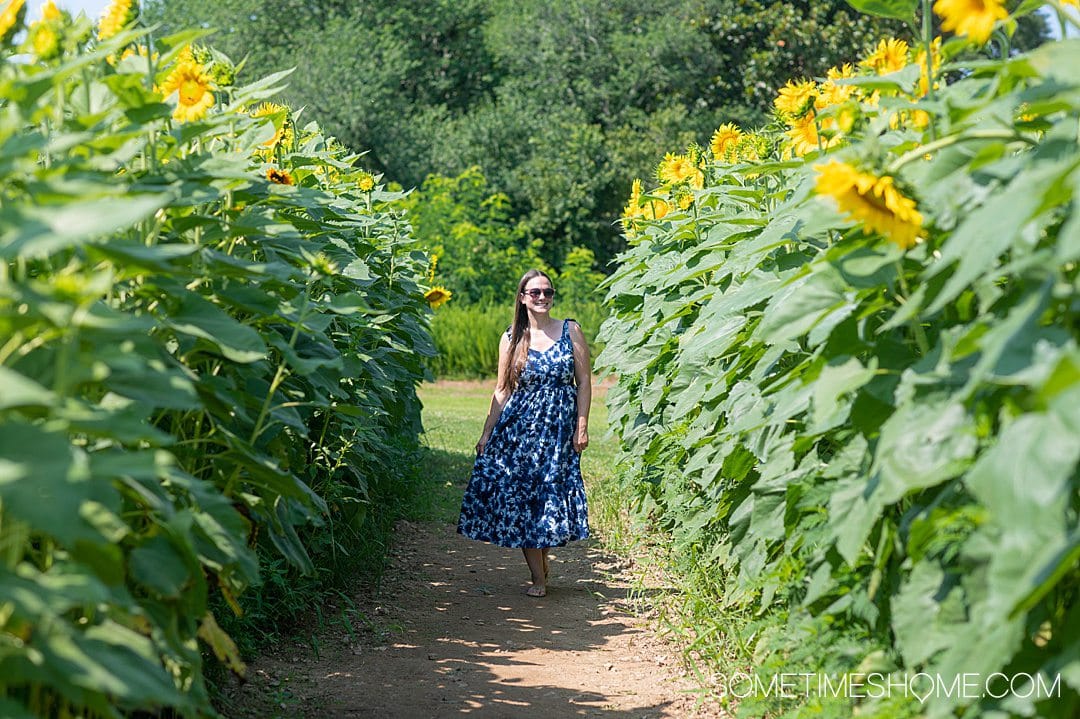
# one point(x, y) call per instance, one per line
point(460, 638)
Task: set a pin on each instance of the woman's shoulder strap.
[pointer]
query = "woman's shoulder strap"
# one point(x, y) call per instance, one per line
point(566, 325)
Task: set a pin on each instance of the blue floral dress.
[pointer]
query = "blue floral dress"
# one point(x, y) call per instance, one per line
point(526, 488)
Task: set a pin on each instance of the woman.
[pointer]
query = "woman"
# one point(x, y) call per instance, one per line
point(526, 489)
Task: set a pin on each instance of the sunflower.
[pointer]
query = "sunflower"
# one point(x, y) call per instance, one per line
point(11, 17)
point(974, 18)
point(873, 201)
point(116, 17)
point(437, 296)
point(633, 205)
point(278, 177)
point(830, 92)
point(656, 209)
point(675, 169)
point(804, 137)
point(49, 11)
point(889, 56)
point(796, 98)
point(272, 110)
point(684, 198)
point(192, 86)
point(724, 141)
point(752, 147)
point(366, 182)
point(44, 39)
point(934, 66)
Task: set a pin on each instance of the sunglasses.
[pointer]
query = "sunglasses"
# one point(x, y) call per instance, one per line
point(547, 292)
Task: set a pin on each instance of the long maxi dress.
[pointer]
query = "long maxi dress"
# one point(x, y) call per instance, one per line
point(526, 488)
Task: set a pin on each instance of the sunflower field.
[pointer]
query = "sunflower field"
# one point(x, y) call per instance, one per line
point(212, 325)
point(849, 377)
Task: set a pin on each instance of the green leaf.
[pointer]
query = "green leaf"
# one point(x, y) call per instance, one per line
point(199, 318)
point(156, 565)
point(992, 228)
point(898, 9)
point(17, 390)
point(41, 478)
point(833, 391)
point(42, 230)
point(795, 309)
point(921, 445)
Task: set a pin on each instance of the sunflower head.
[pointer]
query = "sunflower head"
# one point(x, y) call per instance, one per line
point(633, 205)
point(796, 98)
point(118, 15)
point(752, 147)
point(656, 209)
point(366, 182)
point(44, 39)
point(278, 176)
point(889, 56)
point(974, 18)
point(684, 198)
point(12, 15)
point(437, 296)
point(724, 141)
point(279, 114)
point(803, 136)
point(931, 69)
point(872, 200)
point(194, 93)
point(832, 93)
point(677, 169)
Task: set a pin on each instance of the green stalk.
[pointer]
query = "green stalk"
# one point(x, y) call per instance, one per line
point(279, 377)
point(944, 142)
point(928, 44)
point(916, 328)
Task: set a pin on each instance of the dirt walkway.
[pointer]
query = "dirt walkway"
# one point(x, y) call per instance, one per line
point(452, 634)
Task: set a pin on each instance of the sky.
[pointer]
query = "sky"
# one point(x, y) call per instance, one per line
point(93, 9)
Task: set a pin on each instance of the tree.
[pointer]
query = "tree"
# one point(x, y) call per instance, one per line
point(561, 104)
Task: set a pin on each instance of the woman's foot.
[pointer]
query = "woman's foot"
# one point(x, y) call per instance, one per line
point(536, 590)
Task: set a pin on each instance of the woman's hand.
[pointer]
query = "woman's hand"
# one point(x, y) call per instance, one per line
point(482, 443)
point(581, 439)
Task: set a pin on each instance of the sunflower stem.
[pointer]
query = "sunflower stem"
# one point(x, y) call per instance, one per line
point(928, 44)
point(944, 142)
point(916, 328)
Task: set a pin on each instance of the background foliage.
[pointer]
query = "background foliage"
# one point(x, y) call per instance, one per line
point(210, 340)
point(866, 456)
point(559, 104)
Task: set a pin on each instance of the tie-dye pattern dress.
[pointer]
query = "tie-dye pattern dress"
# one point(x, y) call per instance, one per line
point(526, 488)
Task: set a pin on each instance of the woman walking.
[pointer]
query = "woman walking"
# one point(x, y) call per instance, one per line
point(526, 489)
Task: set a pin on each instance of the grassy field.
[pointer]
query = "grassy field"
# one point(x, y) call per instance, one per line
point(454, 413)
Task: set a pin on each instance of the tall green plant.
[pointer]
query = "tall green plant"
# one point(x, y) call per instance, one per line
point(849, 374)
point(210, 323)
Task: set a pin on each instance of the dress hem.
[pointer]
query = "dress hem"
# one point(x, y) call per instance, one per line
point(521, 545)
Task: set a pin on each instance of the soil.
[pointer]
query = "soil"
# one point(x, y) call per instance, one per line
point(451, 633)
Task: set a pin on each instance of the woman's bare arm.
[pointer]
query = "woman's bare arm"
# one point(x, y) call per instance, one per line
point(583, 376)
point(500, 396)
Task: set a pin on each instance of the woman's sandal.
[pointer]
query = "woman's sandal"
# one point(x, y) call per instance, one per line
point(536, 591)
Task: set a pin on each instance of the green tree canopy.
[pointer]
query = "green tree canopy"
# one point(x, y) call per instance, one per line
point(561, 104)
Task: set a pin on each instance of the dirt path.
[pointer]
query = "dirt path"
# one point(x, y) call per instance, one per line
point(452, 634)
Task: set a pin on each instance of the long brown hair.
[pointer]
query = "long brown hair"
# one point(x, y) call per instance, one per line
point(519, 333)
